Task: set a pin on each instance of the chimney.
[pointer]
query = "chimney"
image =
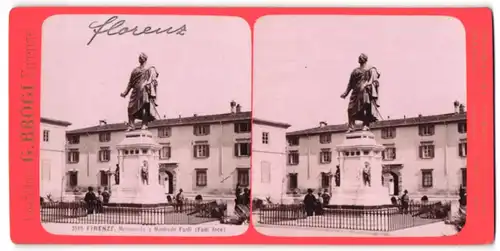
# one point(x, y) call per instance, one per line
point(461, 108)
point(180, 116)
point(322, 124)
point(404, 116)
point(102, 122)
point(164, 116)
point(195, 115)
point(388, 117)
point(456, 105)
point(233, 105)
point(238, 108)
point(420, 115)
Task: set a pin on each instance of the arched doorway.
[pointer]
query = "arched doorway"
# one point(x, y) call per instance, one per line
point(394, 183)
point(168, 182)
point(391, 180)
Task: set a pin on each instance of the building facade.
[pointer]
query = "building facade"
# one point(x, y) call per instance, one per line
point(269, 162)
point(200, 154)
point(426, 155)
point(52, 156)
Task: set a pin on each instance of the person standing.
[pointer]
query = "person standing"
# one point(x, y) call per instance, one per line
point(326, 197)
point(90, 200)
point(179, 199)
point(105, 196)
point(309, 202)
point(405, 202)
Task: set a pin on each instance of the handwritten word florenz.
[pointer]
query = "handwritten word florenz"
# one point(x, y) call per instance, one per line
point(114, 26)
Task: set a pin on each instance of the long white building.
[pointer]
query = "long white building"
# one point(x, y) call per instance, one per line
point(201, 154)
point(426, 155)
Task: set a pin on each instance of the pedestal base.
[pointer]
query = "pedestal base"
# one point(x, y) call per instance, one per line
point(361, 197)
point(142, 195)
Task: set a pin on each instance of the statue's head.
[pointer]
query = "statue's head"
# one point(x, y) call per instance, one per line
point(367, 164)
point(362, 59)
point(143, 58)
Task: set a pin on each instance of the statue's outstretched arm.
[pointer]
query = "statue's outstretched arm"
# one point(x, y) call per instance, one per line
point(129, 85)
point(349, 86)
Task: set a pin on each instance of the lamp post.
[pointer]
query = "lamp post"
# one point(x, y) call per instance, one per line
point(65, 155)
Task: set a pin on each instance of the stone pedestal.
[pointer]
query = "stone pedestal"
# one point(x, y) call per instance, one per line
point(137, 148)
point(358, 149)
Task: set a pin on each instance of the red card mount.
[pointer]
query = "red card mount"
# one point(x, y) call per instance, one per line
point(24, 120)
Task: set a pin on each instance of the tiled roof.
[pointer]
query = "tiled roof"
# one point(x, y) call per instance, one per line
point(200, 119)
point(432, 119)
point(54, 122)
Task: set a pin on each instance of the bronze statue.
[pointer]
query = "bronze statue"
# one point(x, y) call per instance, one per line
point(143, 83)
point(363, 103)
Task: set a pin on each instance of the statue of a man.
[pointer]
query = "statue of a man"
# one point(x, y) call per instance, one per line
point(363, 102)
point(117, 175)
point(367, 174)
point(145, 173)
point(143, 83)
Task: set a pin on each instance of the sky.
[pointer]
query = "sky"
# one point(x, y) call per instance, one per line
point(200, 72)
point(302, 65)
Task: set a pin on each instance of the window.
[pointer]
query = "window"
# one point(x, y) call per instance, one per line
point(325, 156)
point(426, 150)
point(103, 178)
point(464, 177)
point(426, 130)
point(265, 172)
point(462, 127)
point(201, 150)
point(462, 149)
point(164, 132)
point(293, 158)
point(45, 135)
point(104, 154)
point(243, 127)
point(293, 181)
point(265, 138)
point(201, 177)
point(73, 139)
point(388, 133)
point(242, 149)
point(389, 152)
point(325, 138)
point(104, 137)
point(243, 177)
point(201, 130)
point(165, 152)
point(427, 178)
point(325, 180)
point(73, 156)
point(293, 141)
point(73, 178)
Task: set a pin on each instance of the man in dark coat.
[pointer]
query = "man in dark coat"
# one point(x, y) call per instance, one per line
point(309, 202)
point(90, 200)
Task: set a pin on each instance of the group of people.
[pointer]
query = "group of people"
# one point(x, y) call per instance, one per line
point(314, 204)
point(95, 200)
point(242, 196)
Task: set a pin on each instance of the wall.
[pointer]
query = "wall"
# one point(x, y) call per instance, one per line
point(52, 160)
point(446, 164)
point(268, 163)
